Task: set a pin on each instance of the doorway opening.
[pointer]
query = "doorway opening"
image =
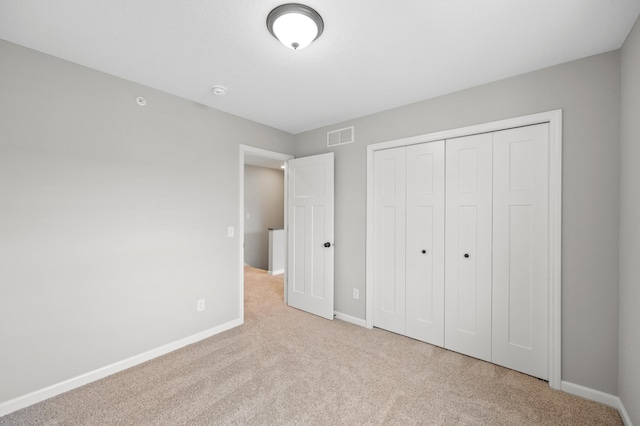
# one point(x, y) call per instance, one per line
point(268, 211)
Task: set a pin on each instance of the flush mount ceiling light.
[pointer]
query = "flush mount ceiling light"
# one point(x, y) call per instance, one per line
point(295, 25)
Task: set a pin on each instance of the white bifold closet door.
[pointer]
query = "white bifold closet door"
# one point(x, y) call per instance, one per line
point(521, 249)
point(497, 248)
point(425, 243)
point(468, 245)
point(461, 245)
point(390, 240)
point(409, 235)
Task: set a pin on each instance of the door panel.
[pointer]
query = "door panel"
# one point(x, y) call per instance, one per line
point(389, 234)
point(388, 299)
point(520, 239)
point(319, 231)
point(468, 245)
point(425, 242)
point(467, 268)
point(299, 219)
point(311, 221)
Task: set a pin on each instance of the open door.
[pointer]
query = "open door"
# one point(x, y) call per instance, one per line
point(310, 233)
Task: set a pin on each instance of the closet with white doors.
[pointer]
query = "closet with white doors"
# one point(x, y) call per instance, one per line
point(460, 245)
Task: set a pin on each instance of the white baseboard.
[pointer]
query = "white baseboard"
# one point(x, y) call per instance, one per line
point(50, 391)
point(597, 396)
point(276, 272)
point(623, 413)
point(591, 394)
point(349, 318)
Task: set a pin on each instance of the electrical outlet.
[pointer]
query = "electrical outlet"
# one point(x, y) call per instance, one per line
point(230, 232)
point(356, 293)
point(200, 305)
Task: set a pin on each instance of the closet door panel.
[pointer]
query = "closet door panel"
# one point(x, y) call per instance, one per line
point(389, 235)
point(520, 239)
point(468, 245)
point(425, 243)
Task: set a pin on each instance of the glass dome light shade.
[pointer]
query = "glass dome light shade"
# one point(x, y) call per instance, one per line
point(294, 30)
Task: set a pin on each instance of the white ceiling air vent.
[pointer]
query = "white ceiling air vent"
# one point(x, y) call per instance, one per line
point(340, 136)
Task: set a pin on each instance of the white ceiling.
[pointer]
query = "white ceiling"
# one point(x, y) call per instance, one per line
point(373, 55)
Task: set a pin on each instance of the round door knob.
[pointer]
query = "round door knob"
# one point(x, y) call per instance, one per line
point(327, 244)
point(424, 251)
point(466, 255)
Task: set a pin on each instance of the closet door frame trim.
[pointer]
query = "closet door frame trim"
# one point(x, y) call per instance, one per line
point(554, 118)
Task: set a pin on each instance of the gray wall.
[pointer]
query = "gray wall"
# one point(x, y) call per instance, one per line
point(588, 91)
point(629, 375)
point(113, 218)
point(264, 201)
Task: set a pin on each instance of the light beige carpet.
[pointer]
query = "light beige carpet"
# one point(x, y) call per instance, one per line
point(285, 366)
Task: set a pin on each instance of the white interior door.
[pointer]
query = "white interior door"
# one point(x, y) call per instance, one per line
point(468, 245)
point(425, 242)
point(520, 244)
point(389, 235)
point(311, 234)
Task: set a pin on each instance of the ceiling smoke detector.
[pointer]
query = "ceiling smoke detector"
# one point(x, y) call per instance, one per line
point(219, 90)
